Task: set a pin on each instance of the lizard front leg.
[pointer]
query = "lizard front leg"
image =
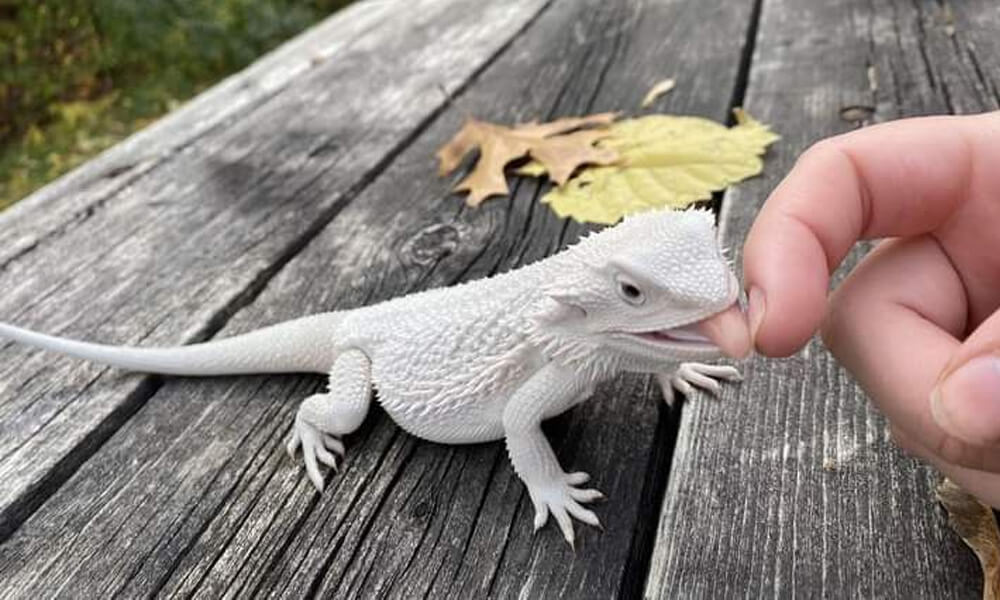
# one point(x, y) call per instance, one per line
point(547, 393)
point(690, 375)
point(339, 411)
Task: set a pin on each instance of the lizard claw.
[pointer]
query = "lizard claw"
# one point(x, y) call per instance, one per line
point(294, 441)
point(561, 498)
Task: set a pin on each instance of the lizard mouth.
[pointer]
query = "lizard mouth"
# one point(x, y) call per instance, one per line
point(726, 331)
point(687, 335)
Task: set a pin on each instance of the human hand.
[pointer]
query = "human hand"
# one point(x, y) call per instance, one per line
point(917, 322)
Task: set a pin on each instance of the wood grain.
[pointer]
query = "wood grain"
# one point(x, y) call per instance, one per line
point(168, 257)
point(790, 485)
point(194, 495)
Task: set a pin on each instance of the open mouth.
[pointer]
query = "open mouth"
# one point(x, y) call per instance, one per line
point(726, 331)
point(686, 335)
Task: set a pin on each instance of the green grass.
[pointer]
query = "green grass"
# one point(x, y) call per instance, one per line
point(78, 76)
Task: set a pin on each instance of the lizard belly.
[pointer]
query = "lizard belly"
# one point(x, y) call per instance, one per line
point(465, 423)
point(446, 362)
point(450, 398)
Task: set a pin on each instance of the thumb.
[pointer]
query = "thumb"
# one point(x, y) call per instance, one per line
point(966, 400)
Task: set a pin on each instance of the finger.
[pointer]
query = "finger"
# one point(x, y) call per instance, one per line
point(578, 478)
point(966, 403)
point(982, 484)
point(896, 179)
point(895, 332)
point(907, 444)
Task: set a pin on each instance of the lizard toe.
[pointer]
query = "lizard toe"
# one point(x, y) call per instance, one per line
point(565, 525)
point(541, 515)
point(582, 514)
point(312, 469)
point(313, 451)
point(326, 457)
point(588, 495)
point(560, 499)
point(333, 444)
point(293, 442)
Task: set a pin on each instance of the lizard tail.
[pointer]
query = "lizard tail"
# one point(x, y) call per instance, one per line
point(303, 345)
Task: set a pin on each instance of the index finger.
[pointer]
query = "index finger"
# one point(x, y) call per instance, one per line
point(896, 179)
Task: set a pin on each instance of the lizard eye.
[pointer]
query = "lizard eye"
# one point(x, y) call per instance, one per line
point(630, 292)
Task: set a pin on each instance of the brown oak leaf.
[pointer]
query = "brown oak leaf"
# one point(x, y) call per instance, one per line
point(975, 523)
point(561, 146)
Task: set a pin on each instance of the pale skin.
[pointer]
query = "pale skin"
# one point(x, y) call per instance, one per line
point(918, 321)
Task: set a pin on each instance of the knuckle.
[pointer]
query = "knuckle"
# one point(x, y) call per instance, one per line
point(957, 452)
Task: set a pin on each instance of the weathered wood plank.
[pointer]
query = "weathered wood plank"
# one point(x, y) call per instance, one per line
point(790, 485)
point(166, 258)
point(194, 496)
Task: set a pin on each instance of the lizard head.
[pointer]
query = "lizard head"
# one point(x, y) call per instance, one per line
point(655, 286)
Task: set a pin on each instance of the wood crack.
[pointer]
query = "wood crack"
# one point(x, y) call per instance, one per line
point(239, 485)
point(989, 87)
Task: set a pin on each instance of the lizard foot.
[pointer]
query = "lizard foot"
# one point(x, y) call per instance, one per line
point(317, 447)
point(690, 375)
point(561, 497)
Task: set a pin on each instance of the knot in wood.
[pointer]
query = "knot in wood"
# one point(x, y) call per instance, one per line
point(422, 509)
point(432, 243)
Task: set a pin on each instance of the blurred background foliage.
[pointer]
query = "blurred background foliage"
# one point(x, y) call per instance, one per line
point(77, 76)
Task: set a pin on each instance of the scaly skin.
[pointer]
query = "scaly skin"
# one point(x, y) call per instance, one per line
point(493, 358)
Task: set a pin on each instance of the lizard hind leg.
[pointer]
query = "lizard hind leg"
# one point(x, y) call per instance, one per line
point(322, 418)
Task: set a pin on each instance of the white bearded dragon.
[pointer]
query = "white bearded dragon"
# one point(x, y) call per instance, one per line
point(493, 358)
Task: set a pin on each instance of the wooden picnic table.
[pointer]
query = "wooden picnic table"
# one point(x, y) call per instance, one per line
point(307, 183)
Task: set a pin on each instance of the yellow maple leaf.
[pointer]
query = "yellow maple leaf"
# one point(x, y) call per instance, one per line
point(666, 161)
point(561, 146)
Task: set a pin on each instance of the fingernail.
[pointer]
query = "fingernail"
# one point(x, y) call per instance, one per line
point(755, 310)
point(967, 403)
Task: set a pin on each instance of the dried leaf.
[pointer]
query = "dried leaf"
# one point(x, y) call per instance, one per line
point(975, 523)
point(556, 145)
point(666, 161)
point(656, 91)
point(563, 154)
point(535, 129)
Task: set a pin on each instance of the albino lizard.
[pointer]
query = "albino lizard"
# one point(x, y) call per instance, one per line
point(493, 358)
